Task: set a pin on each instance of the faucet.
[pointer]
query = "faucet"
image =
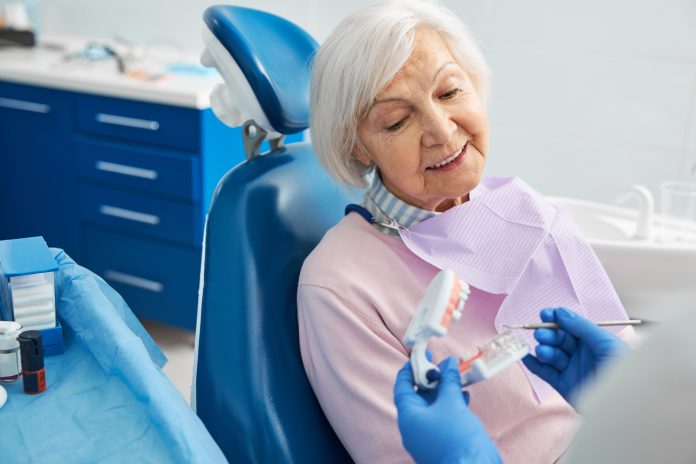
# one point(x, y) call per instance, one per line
point(646, 207)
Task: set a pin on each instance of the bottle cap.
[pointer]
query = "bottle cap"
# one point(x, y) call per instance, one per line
point(32, 350)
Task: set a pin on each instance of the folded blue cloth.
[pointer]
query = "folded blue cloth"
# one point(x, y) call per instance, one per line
point(107, 399)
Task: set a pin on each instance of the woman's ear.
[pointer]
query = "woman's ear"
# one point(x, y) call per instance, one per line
point(360, 154)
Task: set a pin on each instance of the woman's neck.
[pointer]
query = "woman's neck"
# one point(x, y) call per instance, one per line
point(450, 203)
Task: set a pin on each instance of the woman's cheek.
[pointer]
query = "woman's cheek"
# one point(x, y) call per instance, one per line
point(481, 142)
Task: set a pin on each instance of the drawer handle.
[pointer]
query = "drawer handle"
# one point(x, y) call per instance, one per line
point(126, 170)
point(115, 120)
point(24, 105)
point(134, 281)
point(129, 214)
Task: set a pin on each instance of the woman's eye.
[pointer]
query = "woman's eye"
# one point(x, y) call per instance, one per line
point(397, 126)
point(451, 94)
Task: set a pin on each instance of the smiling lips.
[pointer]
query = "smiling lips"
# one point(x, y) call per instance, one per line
point(449, 159)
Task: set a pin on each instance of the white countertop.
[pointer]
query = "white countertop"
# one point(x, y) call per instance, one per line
point(47, 67)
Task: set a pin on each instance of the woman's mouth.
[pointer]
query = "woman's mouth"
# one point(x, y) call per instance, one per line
point(451, 161)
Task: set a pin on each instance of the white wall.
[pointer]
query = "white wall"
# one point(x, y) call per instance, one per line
point(588, 96)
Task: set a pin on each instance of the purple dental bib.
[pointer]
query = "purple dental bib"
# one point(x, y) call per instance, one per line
point(508, 240)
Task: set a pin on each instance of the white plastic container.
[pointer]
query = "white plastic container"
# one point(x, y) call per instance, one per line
point(27, 278)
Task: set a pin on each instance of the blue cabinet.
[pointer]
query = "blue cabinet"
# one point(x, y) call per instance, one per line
point(158, 280)
point(38, 185)
point(122, 185)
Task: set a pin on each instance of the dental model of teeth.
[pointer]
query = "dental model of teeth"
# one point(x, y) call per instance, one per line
point(442, 303)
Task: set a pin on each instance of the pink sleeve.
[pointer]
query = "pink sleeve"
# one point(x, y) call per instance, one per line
point(351, 360)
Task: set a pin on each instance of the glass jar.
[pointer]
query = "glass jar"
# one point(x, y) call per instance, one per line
point(10, 364)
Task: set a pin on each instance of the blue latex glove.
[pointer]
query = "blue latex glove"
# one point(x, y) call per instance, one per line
point(437, 426)
point(570, 356)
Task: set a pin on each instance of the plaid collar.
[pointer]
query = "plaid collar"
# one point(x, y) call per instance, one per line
point(384, 206)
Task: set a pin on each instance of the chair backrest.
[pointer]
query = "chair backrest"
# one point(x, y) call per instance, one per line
point(267, 214)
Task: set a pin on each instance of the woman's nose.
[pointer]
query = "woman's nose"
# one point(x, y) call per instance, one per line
point(438, 128)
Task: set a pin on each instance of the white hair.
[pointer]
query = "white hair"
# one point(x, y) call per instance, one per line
point(360, 58)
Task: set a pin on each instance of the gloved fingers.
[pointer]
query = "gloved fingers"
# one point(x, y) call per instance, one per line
point(404, 393)
point(467, 397)
point(548, 314)
point(552, 356)
point(544, 371)
point(584, 330)
point(405, 377)
point(450, 385)
point(429, 395)
point(569, 343)
point(556, 337)
point(445, 363)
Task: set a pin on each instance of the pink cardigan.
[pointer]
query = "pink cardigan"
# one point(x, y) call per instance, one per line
point(357, 292)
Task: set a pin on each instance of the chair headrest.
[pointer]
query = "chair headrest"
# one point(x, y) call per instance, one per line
point(265, 62)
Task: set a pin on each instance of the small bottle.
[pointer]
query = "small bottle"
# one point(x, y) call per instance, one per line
point(32, 361)
point(10, 368)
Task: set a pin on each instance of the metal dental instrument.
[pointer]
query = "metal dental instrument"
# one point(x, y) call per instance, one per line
point(553, 325)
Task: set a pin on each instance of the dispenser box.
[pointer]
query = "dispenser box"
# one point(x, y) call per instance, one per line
point(27, 288)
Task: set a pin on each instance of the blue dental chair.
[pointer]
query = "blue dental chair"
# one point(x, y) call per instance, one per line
point(267, 214)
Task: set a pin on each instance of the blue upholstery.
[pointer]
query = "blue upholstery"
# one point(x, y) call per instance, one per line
point(274, 55)
point(251, 390)
point(266, 215)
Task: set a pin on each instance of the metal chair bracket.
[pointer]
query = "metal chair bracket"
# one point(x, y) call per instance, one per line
point(253, 136)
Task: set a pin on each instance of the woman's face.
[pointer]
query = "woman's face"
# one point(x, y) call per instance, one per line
point(427, 131)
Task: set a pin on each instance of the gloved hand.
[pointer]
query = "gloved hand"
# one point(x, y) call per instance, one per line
point(568, 357)
point(437, 426)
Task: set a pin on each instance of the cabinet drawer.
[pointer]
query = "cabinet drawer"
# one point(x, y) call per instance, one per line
point(139, 168)
point(158, 281)
point(142, 214)
point(17, 100)
point(168, 126)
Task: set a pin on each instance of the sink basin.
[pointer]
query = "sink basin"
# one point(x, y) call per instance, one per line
point(653, 276)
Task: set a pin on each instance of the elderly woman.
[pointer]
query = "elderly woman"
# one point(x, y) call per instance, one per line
point(398, 100)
